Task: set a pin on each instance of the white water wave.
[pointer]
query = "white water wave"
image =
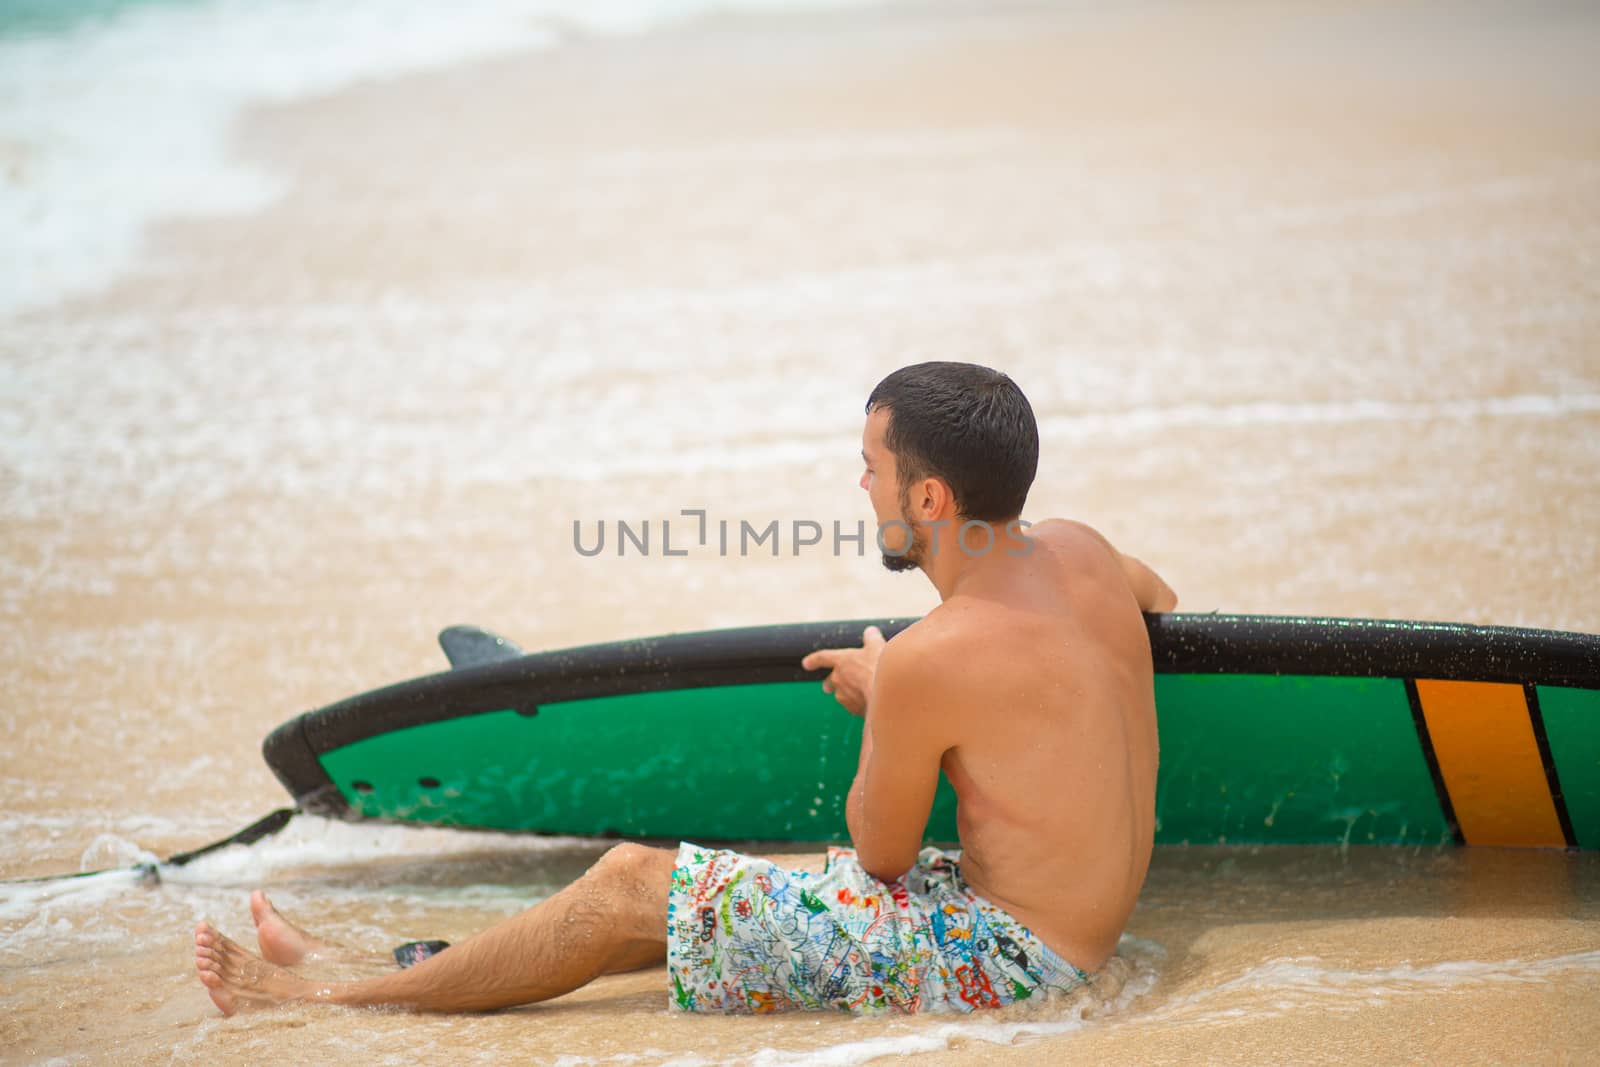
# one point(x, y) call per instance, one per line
point(1283, 985)
point(1148, 419)
point(115, 123)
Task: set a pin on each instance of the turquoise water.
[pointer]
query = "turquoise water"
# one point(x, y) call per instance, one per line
point(21, 18)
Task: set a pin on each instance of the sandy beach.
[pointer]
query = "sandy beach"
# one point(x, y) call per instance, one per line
point(1306, 297)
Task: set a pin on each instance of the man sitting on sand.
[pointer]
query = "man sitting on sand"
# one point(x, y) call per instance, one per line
point(1030, 685)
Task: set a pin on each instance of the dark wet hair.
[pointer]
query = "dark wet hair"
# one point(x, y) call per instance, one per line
point(966, 424)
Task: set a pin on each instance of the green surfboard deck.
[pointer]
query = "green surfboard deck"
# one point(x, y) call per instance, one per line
point(1244, 758)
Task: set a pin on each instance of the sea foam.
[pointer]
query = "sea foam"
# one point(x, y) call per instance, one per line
point(108, 124)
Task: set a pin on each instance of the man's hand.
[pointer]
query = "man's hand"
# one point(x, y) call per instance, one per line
point(852, 670)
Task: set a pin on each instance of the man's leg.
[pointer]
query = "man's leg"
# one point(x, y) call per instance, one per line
point(612, 919)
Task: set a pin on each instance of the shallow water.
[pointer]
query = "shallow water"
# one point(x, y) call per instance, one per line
point(1226, 941)
point(1304, 297)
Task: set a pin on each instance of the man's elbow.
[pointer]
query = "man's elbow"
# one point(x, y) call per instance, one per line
point(1164, 599)
point(1153, 594)
point(885, 867)
point(1149, 589)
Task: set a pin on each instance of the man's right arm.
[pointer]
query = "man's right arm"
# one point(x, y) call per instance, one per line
point(1152, 593)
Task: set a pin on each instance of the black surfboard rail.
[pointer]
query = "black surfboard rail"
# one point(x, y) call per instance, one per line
point(1371, 648)
point(1180, 644)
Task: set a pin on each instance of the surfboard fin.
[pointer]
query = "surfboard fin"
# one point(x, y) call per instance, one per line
point(473, 646)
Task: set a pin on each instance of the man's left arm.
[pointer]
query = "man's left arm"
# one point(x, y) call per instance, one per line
point(902, 743)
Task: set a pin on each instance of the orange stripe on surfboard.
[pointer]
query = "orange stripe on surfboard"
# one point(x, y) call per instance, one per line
point(1489, 760)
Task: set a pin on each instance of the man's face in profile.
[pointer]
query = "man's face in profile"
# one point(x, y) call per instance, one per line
point(904, 545)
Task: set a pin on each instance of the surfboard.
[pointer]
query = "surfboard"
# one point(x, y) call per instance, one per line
point(1273, 730)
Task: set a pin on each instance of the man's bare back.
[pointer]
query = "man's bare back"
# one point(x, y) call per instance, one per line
point(1050, 699)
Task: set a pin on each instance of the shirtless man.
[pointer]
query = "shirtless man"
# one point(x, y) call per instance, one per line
point(1030, 685)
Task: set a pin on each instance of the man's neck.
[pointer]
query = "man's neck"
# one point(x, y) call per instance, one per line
point(954, 560)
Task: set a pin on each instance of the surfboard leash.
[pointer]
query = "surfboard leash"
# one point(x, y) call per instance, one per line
point(407, 955)
point(263, 827)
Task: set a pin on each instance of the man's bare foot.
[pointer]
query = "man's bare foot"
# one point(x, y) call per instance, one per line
point(281, 941)
point(237, 978)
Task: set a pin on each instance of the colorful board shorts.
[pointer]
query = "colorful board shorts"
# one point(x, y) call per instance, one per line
point(746, 935)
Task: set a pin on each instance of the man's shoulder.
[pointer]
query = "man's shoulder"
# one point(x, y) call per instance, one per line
point(1069, 534)
point(936, 654)
point(1078, 547)
point(931, 649)
point(949, 624)
point(921, 674)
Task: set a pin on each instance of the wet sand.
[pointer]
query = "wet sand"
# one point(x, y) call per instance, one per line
point(1304, 295)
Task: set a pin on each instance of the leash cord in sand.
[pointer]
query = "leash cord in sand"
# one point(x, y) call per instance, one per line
point(263, 827)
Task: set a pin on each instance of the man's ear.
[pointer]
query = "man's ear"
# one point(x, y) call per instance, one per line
point(935, 495)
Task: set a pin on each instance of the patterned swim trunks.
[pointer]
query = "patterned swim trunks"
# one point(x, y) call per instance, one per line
point(746, 935)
